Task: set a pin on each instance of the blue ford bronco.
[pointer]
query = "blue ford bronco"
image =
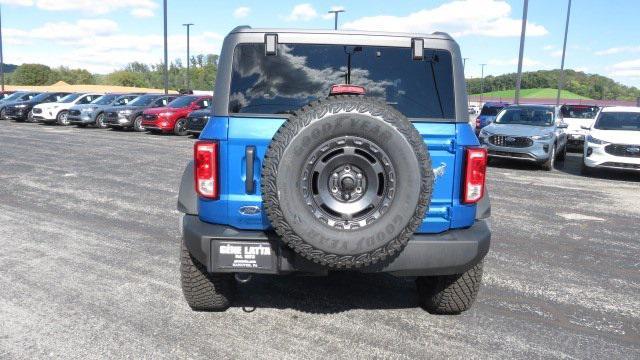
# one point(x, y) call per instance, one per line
point(336, 151)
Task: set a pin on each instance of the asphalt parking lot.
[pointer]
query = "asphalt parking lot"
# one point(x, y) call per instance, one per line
point(89, 267)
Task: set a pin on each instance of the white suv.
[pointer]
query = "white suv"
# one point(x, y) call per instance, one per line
point(613, 140)
point(58, 111)
point(578, 117)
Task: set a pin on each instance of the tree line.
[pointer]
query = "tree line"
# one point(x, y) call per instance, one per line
point(590, 85)
point(202, 74)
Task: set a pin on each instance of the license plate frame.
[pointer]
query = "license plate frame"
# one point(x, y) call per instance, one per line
point(244, 256)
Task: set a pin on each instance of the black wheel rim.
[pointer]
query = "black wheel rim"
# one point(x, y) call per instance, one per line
point(348, 182)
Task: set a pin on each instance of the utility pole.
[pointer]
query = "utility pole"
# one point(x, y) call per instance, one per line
point(564, 50)
point(1, 58)
point(520, 55)
point(166, 52)
point(335, 12)
point(482, 85)
point(188, 57)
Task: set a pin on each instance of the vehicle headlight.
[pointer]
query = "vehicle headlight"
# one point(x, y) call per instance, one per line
point(547, 136)
point(124, 112)
point(21, 106)
point(484, 133)
point(166, 114)
point(591, 139)
point(88, 109)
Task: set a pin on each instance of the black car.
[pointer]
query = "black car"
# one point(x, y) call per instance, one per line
point(22, 111)
point(130, 116)
point(16, 97)
point(197, 120)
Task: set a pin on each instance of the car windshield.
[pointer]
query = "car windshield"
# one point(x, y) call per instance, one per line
point(143, 100)
point(182, 101)
point(535, 116)
point(491, 110)
point(618, 121)
point(105, 100)
point(69, 98)
point(302, 73)
point(42, 97)
point(579, 111)
point(14, 96)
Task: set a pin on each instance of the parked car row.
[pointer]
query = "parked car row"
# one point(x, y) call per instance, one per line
point(135, 111)
point(609, 137)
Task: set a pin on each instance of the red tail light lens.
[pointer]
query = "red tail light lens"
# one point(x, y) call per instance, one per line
point(347, 89)
point(206, 169)
point(475, 174)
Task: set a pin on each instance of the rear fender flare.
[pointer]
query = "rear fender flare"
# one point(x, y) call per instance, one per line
point(187, 197)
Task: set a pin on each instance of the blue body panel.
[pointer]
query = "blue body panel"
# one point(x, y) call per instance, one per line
point(446, 143)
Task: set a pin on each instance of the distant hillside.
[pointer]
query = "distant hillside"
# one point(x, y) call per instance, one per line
point(537, 93)
point(589, 86)
point(9, 68)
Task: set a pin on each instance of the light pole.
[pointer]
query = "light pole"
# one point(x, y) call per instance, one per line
point(335, 13)
point(1, 58)
point(522, 33)
point(482, 84)
point(564, 49)
point(188, 57)
point(166, 53)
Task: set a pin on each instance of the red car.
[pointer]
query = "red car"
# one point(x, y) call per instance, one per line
point(173, 118)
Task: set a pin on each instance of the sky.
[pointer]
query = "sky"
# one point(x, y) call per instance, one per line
point(105, 35)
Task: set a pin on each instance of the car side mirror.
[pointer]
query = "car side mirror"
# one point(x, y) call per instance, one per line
point(563, 125)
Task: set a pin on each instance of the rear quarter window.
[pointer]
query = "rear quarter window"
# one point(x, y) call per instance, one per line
point(302, 73)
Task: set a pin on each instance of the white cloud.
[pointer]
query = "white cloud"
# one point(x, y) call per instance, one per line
point(241, 12)
point(619, 50)
point(583, 69)
point(139, 7)
point(556, 53)
point(629, 68)
point(459, 18)
point(548, 47)
point(142, 13)
point(302, 12)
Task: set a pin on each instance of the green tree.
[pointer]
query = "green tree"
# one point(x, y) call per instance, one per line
point(32, 74)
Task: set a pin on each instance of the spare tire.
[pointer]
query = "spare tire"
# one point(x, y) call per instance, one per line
point(346, 181)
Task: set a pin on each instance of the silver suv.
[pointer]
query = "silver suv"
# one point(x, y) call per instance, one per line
point(533, 133)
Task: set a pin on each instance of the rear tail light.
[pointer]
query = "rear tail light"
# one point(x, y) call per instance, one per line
point(205, 157)
point(347, 89)
point(475, 174)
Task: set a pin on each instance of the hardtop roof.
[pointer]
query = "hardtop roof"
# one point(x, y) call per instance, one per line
point(435, 35)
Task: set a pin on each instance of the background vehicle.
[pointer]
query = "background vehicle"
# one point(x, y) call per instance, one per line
point(488, 113)
point(527, 132)
point(473, 109)
point(173, 117)
point(130, 116)
point(577, 117)
point(50, 112)
point(93, 113)
point(198, 119)
point(23, 110)
point(5, 94)
point(294, 175)
point(614, 140)
point(19, 96)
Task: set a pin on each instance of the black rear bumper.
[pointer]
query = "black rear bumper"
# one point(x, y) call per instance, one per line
point(452, 252)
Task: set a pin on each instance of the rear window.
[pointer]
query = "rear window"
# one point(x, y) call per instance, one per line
point(301, 73)
point(491, 110)
point(579, 111)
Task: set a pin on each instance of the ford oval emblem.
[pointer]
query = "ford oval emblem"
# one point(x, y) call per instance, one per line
point(249, 210)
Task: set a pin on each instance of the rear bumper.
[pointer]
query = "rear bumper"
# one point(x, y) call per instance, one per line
point(451, 252)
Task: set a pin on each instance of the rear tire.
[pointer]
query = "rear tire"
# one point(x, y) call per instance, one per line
point(180, 128)
point(449, 294)
point(100, 121)
point(585, 170)
point(3, 114)
point(62, 118)
point(137, 124)
point(204, 291)
point(562, 155)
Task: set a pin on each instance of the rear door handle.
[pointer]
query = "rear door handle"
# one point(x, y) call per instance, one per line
point(249, 184)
